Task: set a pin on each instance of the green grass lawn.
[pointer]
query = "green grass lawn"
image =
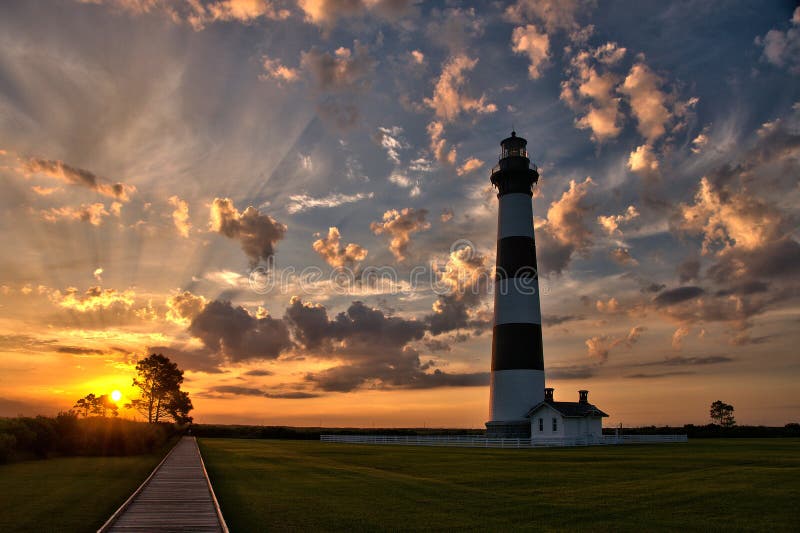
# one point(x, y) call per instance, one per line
point(711, 484)
point(69, 493)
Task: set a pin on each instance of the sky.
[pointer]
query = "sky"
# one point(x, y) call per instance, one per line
point(291, 200)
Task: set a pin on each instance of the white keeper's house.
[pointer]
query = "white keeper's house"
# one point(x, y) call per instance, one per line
point(551, 420)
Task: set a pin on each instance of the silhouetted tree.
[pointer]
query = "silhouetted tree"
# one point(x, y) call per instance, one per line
point(86, 405)
point(96, 405)
point(722, 414)
point(160, 395)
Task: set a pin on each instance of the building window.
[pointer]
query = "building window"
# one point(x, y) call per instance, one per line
point(541, 424)
point(555, 424)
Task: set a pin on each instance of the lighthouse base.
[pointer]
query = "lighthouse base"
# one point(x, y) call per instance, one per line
point(511, 429)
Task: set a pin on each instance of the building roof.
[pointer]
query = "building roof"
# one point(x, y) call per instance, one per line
point(569, 409)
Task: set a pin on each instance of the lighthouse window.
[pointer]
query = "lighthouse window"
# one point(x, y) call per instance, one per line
point(541, 424)
point(555, 424)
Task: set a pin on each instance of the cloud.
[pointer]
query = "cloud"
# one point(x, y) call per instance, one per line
point(611, 306)
point(238, 335)
point(93, 299)
point(678, 336)
point(390, 140)
point(331, 250)
point(259, 372)
point(399, 226)
point(257, 233)
point(611, 223)
point(600, 346)
point(528, 40)
point(76, 176)
point(237, 390)
point(447, 215)
point(591, 89)
point(678, 295)
point(644, 162)
point(660, 374)
point(98, 274)
point(470, 165)
point(467, 276)
point(275, 70)
point(439, 144)
point(180, 216)
point(647, 101)
point(183, 307)
point(691, 361)
point(729, 220)
point(299, 203)
point(571, 372)
point(564, 232)
point(448, 101)
point(91, 213)
point(325, 13)
point(782, 48)
point(291, 395)
point(689, 270)
point(623, 257)
point(555, 15)
point(345, 70)
point(372, 349)
point(198, 14)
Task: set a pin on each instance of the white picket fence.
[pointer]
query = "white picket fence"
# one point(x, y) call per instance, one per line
point(478, 441)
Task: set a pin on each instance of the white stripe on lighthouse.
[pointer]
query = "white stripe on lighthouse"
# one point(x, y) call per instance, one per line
point(514, 392)
point(516, 300)
point(516, 216)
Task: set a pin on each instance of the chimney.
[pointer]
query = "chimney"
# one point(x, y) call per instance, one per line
point(583, 396)
point(548, 394)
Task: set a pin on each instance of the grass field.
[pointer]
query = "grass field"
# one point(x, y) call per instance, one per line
point(724, 484)
point(69, 493)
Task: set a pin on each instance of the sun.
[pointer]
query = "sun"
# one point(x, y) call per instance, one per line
point(116, 395)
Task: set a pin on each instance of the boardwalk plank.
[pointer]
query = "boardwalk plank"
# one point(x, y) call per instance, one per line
point(176, 497)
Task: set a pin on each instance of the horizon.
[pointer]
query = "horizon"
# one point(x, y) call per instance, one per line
point(292, 202)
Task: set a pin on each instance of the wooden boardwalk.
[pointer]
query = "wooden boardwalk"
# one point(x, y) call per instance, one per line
point(176, 497)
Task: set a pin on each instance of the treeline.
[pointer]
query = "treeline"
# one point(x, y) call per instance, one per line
point(713, 431)
point(41, 437)
point(313, 433)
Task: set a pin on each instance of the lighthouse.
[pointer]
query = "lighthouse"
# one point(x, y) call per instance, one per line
point(517, 379)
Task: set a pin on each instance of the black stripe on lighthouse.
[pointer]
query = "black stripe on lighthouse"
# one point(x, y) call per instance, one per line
point(517, 334)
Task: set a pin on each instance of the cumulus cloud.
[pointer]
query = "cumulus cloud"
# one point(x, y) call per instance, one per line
point(591, 90)
point(439, 146)
point(299, 203)
point(91, 213)
point(447, 215)
point(448, 100)
point(599, 347)
point(529, 41)
point(236, 334)
point(644, 162)
point(611, 223)
point(347, 70)
point(399, 226)
point(258, 233)
point(180, 216)
point(373, 349)
point(782, 48)
point(275, 70)
point(76, 176)
point(727, 220)
point(183, 307)
point(470, 165)
point(467, 277)
point(565, 231)
point(336, 255)
point(648, 103)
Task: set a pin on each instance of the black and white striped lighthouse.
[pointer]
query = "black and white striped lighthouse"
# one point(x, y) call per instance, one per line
point(517, 382)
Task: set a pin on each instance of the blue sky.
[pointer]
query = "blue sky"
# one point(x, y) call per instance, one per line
point(158, 157)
